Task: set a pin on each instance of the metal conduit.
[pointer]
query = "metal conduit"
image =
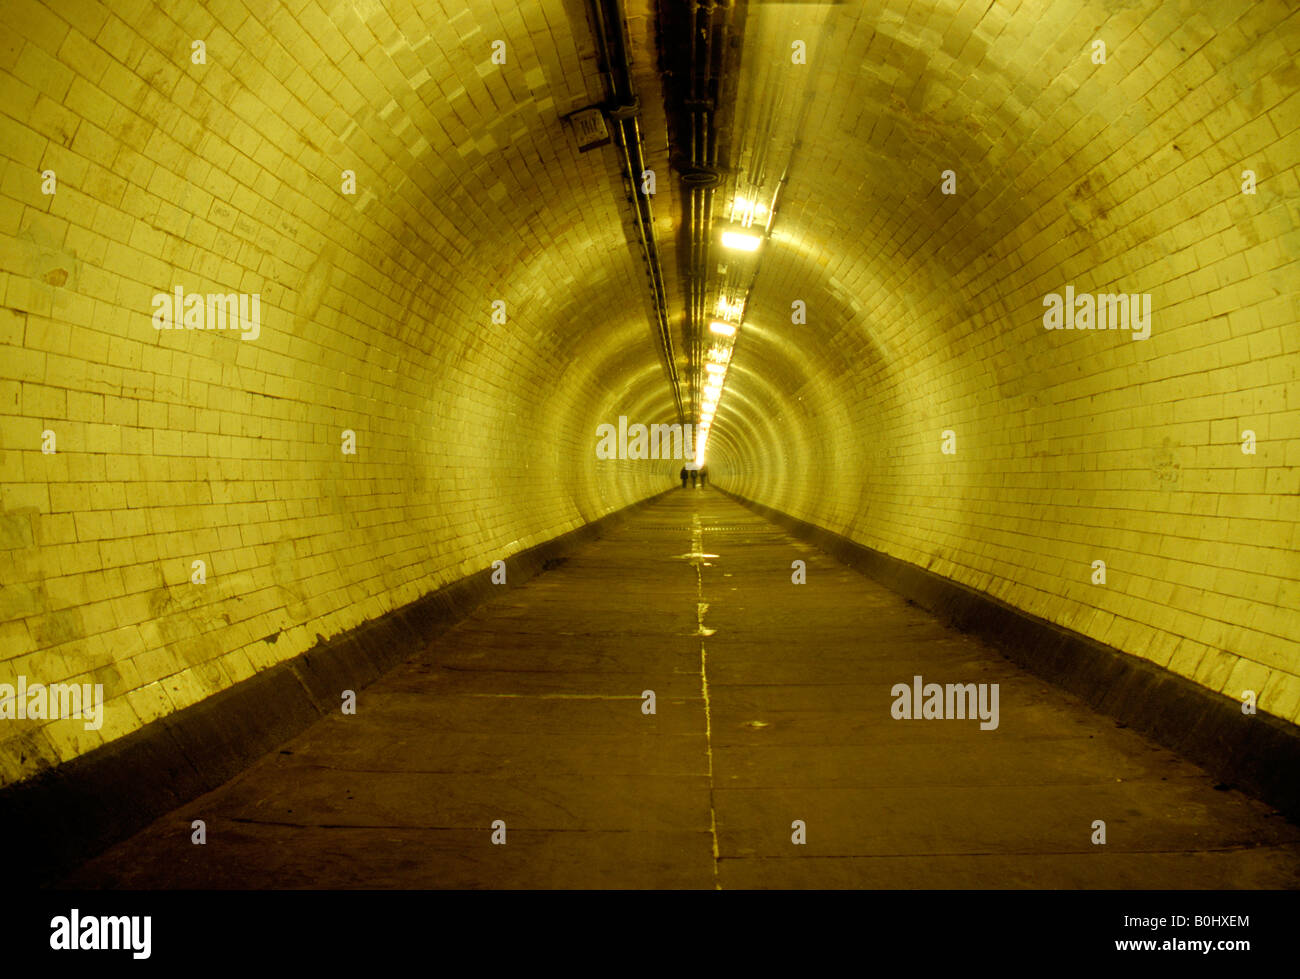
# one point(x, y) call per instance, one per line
point(622, 112)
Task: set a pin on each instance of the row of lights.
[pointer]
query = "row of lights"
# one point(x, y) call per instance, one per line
point(743, 213)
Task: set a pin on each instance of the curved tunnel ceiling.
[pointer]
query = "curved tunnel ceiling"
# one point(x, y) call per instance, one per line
point(923, 315)
point(925, 312)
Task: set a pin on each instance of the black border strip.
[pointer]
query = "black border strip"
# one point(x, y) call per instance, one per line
point(62, 816)
point(1259, 753)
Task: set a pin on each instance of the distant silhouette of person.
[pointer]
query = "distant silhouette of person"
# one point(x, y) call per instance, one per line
point(695, 473)
point(704, 476)
point(683, 475)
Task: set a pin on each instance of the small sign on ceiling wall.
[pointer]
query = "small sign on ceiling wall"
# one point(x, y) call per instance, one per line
point(588, 127)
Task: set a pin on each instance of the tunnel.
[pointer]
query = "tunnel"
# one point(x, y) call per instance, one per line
point(650, 444)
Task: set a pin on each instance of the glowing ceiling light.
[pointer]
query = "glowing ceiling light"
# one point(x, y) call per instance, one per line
point(740, 242)
point(715, 368)
point(719, 355)
point(722, 329)
point(728, 310)
point(743, 209)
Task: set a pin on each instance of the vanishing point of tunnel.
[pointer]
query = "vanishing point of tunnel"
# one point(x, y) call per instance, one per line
point(650, 444)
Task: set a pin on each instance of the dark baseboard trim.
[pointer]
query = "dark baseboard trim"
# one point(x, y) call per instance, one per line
point(61, 817)
point(1259, 753)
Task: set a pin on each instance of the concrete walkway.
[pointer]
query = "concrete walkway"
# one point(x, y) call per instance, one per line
point(772, 705)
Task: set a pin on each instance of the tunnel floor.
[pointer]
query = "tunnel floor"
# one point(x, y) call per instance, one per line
point(772, 704)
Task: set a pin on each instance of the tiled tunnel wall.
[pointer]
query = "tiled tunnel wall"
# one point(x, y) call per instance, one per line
point(474, 438)
point(925, 315)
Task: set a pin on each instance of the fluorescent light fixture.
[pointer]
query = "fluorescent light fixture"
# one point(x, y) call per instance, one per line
point(715, 368)
point(719, 355)
point(740, 242)
point(743, 209)
point(722, 329)
point(728, 310)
